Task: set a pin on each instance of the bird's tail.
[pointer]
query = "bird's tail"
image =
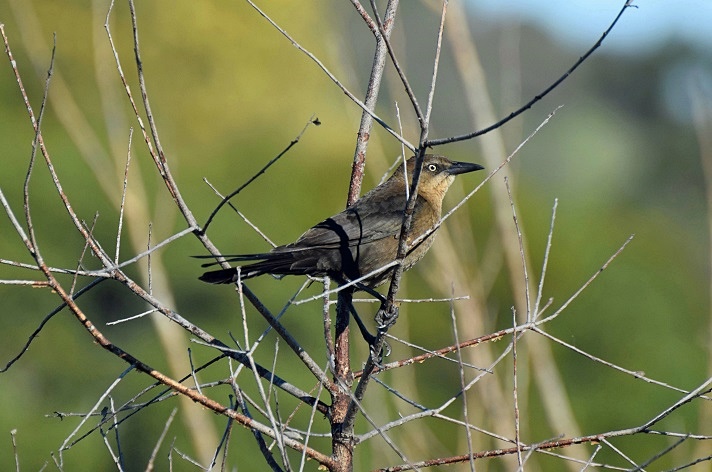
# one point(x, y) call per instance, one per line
point(268, 263)
point(222, 276)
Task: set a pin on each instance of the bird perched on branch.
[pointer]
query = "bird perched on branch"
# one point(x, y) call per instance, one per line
point(363, 238)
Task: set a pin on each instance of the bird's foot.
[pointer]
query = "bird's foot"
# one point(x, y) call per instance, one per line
point(384, 351)
point(377, 354)
point(386, 318)
point(384, 322)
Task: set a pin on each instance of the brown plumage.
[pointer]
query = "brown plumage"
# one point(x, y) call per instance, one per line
point(362, 238)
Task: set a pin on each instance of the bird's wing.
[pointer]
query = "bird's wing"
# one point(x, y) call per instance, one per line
point(352, 227)
point(360, 224)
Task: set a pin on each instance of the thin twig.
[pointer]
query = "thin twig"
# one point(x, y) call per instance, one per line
point(13, 435)
point(328, 340)
point(154, 452)
point(371, 98)
point(226, 199)
point(123, 198)
point(436, 64)
point(659, 454)
point(515, 392)
point(486, 179)
point(521, 251)
point(461, 370)
point(193, 373)
point(266, 453)
point(587, 283)
point(514, 114)
point(439, 352)
point(547, 251)
point(265, 401)
point(439, 355)
point(44, 321)
point(348, 285)
point(636, 374)
point(75, 277)
point(66, 443)
point(383, 36)
point(414, 300)
point(332, 77)
point(241, 215)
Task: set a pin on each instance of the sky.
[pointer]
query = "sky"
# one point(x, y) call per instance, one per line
point(640, 30)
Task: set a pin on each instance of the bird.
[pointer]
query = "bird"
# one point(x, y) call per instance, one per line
point(362, 238)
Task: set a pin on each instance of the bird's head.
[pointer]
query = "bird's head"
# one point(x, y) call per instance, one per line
point(437, 175)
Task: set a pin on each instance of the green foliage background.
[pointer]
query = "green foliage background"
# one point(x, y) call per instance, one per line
point(228, 93)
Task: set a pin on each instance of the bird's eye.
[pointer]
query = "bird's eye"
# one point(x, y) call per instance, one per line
point(432, 167)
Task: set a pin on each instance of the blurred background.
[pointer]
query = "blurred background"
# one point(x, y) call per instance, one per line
point(624, 155)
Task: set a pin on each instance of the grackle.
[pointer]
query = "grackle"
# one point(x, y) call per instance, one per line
point(364, 237)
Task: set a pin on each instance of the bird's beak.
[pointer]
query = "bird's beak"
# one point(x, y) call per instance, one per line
point(463, 168)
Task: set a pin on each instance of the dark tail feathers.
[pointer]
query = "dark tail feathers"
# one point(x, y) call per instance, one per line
point(228, 276)
point(222, 276)
point(274, 263)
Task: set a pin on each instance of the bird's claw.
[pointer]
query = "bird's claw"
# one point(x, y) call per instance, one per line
point(386, 318)
point(377, 357)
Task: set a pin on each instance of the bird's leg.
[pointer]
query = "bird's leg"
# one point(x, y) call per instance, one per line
point(384, 320)
point(367, 336)
point(371, 291)
point(385, 350)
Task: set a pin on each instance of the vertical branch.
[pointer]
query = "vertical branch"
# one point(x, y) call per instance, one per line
point(515, 392)
point(374, 84)
point(342, 433)
point(388, 312)
point(545, 263)
point(436, 64)
point(123, 201)
point(463, 384)
point(332, 77)
point(401, 74)
point(144, 93)
point(30, 241)
point(342, 440)
point(522, 253)
point(515, 335)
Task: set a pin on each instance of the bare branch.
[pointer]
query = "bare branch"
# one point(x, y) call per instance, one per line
point(545, 263)
point(382, 31)
point(123, 198)
point(313, 120)
point(154, 453)
point(333, 78)
point(514, 114)
point(587, 283)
